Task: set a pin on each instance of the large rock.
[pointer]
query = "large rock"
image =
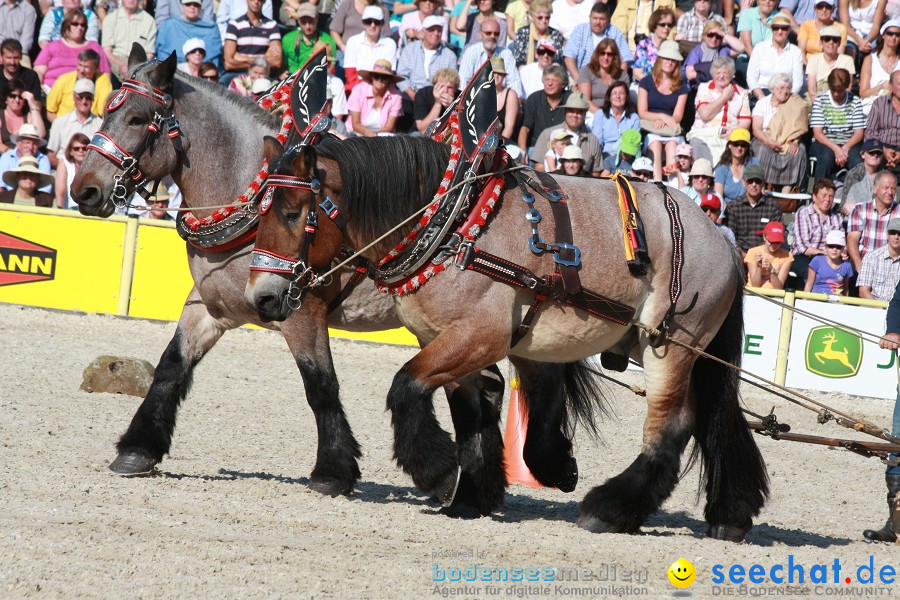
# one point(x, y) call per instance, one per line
point(118, 375)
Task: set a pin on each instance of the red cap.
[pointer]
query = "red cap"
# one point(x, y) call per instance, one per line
point(711, 201)
point(773, 231)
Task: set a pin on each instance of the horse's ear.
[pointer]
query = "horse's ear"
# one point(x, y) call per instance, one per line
point(304, 164)
point(138, 55)
point(272, 148)
point(162, 74)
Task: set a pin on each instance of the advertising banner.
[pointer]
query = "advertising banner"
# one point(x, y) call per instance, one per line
point(162, 280)
point(827, 358)
point(762, 326)
point(62, 262)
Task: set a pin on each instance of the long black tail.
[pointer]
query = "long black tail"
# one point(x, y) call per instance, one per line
point(737, 484)
point(583, 395)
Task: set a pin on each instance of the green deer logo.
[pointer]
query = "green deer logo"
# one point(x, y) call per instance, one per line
point(833, 353)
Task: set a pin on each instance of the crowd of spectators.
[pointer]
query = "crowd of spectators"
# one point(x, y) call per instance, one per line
point(725, 101)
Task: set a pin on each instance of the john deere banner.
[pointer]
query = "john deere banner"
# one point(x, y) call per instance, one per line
point(824, 357)
point(762, 324)
point(60, 261)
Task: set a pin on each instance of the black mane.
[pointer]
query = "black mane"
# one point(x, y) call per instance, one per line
point(386, 179)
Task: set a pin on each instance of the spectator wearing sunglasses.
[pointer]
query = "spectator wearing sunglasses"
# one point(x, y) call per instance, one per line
point(876, 68)
point(820, 66)
point(18, 107)
point(537, 29)
point(755, 24)
point(691, 29)
point(52, 24)
point(532, 74)
point(80, 120)
point(68, 166)
point(809, 36)
point(662, 27)
point(364, 48)
point(301, 43)
point(775, 55)
point(585, 38)
point(698, 64)
point(476, 54)
point(633, 18)
point(167, 9)
point(189, 23)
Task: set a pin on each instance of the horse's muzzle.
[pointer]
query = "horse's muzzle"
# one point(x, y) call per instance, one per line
point(267, 297)
point(91, 203)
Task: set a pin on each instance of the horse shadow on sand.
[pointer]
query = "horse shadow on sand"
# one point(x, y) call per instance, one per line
point(520, 508)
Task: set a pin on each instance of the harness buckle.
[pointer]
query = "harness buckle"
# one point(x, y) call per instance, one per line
point(574, 262)
point(328, 205)
point(464, 254)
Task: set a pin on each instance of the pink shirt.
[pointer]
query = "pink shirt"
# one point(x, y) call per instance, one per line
point(362, 100)
point(60, 59)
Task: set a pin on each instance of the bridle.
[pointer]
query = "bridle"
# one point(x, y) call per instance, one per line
point(132, 179)
point(300, 271)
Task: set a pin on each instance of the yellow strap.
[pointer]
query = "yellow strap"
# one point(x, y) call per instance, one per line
point(621, 182)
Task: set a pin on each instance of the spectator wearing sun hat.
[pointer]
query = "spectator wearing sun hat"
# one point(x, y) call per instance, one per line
point(810, 32)
point(191, 23)
point(21, 184)
point(769, 264)
point(775, 55)
point(375, 103)
point(642, 168)
point(700, 180)
point(571, 163)
point(194, 51)
point(559, 140)
point(711, 204)
point(575, 108)
point(27, 143)
point(828, 273)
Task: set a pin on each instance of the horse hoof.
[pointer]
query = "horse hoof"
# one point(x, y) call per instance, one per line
point(132, 463)
point(596, 525)
point(729, 533)
point(461, 510)
point(331, 487)
point(570, 477)
point(446, 488)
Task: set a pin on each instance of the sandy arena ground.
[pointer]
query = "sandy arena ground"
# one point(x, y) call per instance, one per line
point(230, 516)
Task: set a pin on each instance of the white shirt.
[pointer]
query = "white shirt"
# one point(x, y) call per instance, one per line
point(565, 16)
point(766, 61)
point(360, 54)
point(532, 77)
point(338, 97)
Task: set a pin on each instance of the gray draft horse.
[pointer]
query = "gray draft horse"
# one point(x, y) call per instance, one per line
point(221, 137)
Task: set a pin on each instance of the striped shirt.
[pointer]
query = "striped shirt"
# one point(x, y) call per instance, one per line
point(871, 224)
point(253, 39)
point(884, 122)
point(690, 25)
point(880, 273)
point(838, 122)
point(811, 227)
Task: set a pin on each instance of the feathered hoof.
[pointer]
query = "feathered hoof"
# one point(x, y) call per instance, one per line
point(331, 487)
point(729, 533)
point(596, 525)
point(445, 490)
point(133, 464)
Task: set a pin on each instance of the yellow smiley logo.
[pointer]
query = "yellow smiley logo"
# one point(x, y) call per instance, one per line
point(682, 573)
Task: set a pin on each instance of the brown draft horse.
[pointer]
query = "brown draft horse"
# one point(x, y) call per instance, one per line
point(222, 139)
point(467, 320)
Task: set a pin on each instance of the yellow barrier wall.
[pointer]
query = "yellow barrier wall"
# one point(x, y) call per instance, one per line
point(162, 280)
point(57, 259)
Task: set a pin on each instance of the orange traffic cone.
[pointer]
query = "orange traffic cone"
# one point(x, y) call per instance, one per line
point(514, 439)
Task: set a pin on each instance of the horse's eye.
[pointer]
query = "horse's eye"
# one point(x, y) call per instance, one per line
point(292, 217)
point(136, 121)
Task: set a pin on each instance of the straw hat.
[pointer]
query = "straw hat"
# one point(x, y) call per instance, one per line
point(498, 65)
point(381, 67)
point(27, 164)
point(669, 49)
point(28, 131)
point(572, 153)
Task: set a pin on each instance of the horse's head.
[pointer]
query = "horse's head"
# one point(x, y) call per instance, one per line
point(300, 230)
point(133, 143)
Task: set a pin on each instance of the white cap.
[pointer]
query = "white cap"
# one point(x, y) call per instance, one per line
point(829, 2)
point(84, 86)
point(193, 44)
point(373, 12)
point(572, 153)
point(888, 25)
point(260, 85)
point(642, 164)
point(432, 21)
point(835, 237)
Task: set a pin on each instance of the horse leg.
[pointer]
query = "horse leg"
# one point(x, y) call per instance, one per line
point(336, 470)
point(624, 502)
point(476, 420)
point(421, 448)
point(149, 436)
point(547, 451)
